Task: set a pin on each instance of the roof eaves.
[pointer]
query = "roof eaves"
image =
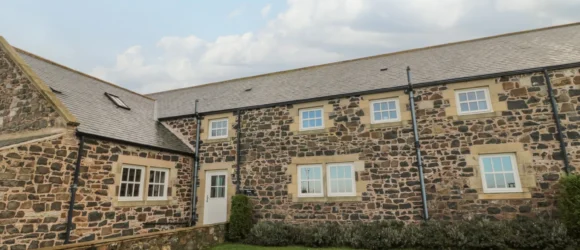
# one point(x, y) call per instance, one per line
point(38, 83)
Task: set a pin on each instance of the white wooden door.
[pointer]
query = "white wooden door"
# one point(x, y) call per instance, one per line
point(216, 201)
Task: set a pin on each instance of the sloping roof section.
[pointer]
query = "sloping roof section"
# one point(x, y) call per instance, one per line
point(509, 52)
point(85, 97)
point(38, 83)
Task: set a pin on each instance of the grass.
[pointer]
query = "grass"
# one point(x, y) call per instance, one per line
point(250, 247)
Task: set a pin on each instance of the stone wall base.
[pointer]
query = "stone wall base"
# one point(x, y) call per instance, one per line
point(192, 238)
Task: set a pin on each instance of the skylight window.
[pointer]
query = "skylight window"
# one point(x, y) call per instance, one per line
point(115, 99)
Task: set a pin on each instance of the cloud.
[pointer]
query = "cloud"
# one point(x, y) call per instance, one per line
point(266, 10)
point(315, 32)
point(236, 13)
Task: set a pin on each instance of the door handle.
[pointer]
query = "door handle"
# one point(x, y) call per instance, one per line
point(207, 198)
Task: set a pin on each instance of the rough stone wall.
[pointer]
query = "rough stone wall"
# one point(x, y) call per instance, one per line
point(35, 184)
point(196, 238)
point(22, 108)
point(393, 192)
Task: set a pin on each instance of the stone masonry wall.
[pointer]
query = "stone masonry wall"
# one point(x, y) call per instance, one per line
point(393, 192)
point(21, 106)
point(35, 182)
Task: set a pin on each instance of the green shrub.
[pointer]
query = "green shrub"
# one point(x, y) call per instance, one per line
point(569, 203)
point(240, 218)
point(537, 234)
point(267, 233)
point(476, 234)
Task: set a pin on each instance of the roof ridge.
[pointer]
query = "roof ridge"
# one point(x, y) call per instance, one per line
point(376, 56)
point(79, 72)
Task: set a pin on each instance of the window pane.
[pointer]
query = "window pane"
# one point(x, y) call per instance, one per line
point(129, 191)
point(305, 115)
point(507, 163)
point(385, 115)
point(348, 172)
point(150, 190)
point(482, 105)
point(317, 186)
point(318, 122)
point(125, 174)
point(473, 106)
point(222, 180)
point(151, 176)
point(123, 190)
point(510, 180)
point(318, 113)
point(391, 105)
point(496, 164)
point(304, 187)
point(131, 175)
point(212, 192)
point(377, 116)
point(490, 181)
point(311, 123)
point(376, 106)
point(393, 115)
point(383, 105)
point(222, 192)
point(348, 186)
point(340, 172)
point(213, 133)
point(500, 180)
point(462, 97)
point(334, 186)
point(480, 95)
point(470, 96)
point(487, 168)
point(464, 107)
point(162, 180)
point(214, 180)
point(137, 174)
point(333, 173)
point(305, 124)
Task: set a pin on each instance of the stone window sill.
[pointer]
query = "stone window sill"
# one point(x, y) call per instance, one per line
point(477, 116)
point(142, 203)
point(505, 196)
point(311, 132)
point(217, 140)
point(329, 199)
point(388, 124)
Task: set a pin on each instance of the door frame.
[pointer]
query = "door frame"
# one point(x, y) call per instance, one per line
point(203, 191)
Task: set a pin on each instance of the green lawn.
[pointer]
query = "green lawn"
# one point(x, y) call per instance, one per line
point(249, 247)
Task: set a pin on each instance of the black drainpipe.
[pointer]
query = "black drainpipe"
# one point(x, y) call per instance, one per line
point(195, 167)
point(238, 152)
point(563, 152)
point(73, 190)
point(417, 144)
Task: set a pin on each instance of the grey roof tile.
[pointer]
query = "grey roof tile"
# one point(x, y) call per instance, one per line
point(523, 50)
point(85, 97)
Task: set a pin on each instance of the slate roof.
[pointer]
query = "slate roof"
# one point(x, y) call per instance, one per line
point(85, 97)
point(509, 52)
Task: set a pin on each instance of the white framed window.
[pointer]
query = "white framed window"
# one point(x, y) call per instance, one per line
point(341, 181)
point(311, 119)
point(218, 128)
point(473, 101)
point(158, 183)
point(131, 188)
point(386, 110)
point(500, 173)
point(310, 181)
point(218, 186)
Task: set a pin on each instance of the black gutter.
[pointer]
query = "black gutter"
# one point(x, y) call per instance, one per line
point(135, 144)
point(195, 168)
point(417, 145)
point(382, 90)
point(238, 152)
point(563, 152)
point(73, 189)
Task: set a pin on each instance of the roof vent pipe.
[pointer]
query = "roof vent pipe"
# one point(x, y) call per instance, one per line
point(417, 144)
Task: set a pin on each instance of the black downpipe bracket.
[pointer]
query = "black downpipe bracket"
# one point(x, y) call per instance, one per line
point(238, 152)
point(417, 145)
point(563, 152)
point(73, 190)
point(195, 169)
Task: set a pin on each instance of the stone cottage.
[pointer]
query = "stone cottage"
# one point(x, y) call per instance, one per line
point(332, 142)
